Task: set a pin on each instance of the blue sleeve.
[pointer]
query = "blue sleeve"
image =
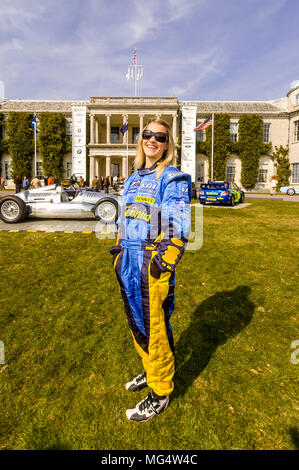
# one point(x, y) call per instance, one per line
point(175, 223)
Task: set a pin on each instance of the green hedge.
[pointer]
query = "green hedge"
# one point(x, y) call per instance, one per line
point(53, 143)
point(221, 145)
point(282, 165)
point(20, 143)
point(251, 148)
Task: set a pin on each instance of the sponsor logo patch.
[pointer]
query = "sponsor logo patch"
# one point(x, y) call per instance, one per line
point(149, 200)
point(132, 212)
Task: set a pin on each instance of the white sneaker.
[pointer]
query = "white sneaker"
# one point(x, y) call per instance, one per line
point(136, 384)
point(149, 407)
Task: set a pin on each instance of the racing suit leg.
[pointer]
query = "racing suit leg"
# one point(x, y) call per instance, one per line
point(149, 303)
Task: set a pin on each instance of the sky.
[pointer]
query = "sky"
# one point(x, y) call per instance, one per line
point(227, 50)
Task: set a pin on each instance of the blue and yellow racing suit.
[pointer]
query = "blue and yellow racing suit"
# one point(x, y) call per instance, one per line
point(152, 235)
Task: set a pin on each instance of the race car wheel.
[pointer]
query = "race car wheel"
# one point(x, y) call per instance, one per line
point(291, 191)
point(12, 209)
point(232, 201)
point(242, 198)
point(106, 211)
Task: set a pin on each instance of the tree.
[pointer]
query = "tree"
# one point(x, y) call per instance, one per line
point(20, 143)
point(221, 145)
point(251, 148)
point(52, 143)
point(282, 165)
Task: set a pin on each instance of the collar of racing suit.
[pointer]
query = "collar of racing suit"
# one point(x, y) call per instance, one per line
point(145, 171)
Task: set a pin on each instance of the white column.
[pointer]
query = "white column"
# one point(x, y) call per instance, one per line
point(97, 169)
point(91, 169)
point(108, 129)
point(141, 116)
point(124, 167)
point(97, 131)
point(108, 166)
point(174, 127)
point(92, 128)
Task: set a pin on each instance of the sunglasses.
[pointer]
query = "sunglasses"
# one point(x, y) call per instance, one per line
point(161, 137)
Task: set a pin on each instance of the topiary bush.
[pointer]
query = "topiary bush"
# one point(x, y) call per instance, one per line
point(53, 143)
point(20, 143)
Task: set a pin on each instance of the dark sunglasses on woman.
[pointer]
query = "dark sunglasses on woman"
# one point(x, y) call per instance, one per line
point(161, 137)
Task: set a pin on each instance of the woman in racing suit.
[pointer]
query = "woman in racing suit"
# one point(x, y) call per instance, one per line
point(152, 235)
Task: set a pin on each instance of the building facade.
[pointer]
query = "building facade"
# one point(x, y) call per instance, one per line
point(109, 153)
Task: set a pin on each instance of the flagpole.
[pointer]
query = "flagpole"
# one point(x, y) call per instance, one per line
point(128, 151)
point(35, 172)
point(212, 172)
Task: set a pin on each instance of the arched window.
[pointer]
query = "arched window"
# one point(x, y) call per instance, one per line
point(297, 99)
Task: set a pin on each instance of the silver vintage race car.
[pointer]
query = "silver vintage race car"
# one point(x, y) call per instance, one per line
point(52, 202)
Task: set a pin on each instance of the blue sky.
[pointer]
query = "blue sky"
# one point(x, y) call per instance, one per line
point(193, 49)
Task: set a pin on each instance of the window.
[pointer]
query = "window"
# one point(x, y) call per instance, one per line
point(114, 135)
point(7, 170)
point(39, 170)
point(263, 173)
point(201, 172)
point(295, 173)
point(296, 131)
point(135, 135)
point(200, 136)
point(233, 129)
point(266, 132)
point(297, 100)
point(68, 169)
point(68, 130)
point(230, 173)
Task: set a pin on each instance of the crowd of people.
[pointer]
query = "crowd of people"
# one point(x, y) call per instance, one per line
point(98, 183)
point(103, 184)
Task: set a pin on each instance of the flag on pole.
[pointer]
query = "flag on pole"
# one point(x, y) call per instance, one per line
point(134, 56)
point(208, 122)
point(34, 123)
point(124, 128)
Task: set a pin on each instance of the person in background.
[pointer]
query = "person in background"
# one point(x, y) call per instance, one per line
point(73, 179)
point(45, 181)
point(51, 180)
point(94, 183)
point(98, 185)
point(102, 181)
point(81, 182)
point(26, 183)
point(2, 182)
point(18, 183)
point(36, 182)
point(106, 184)
point(274, 182)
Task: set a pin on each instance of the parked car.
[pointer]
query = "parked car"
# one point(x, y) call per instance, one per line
point(51, 202)
point(221, 192)
point(290, 190)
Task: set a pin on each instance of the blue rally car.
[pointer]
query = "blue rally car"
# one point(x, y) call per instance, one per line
point(222, 192)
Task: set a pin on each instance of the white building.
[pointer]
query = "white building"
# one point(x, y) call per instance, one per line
point(107, 149)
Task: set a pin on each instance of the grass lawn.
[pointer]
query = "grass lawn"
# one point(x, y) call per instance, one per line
point(68, 350)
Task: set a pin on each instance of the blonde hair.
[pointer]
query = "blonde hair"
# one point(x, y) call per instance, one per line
point(169, 156)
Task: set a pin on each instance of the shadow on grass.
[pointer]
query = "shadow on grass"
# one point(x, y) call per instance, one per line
point(214, 321)
point(294, 432)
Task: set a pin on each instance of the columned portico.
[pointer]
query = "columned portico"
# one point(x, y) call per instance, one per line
point(108, 148)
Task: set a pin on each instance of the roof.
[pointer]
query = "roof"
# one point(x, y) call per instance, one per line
point(40, 106)
point(238, 107)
